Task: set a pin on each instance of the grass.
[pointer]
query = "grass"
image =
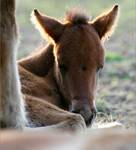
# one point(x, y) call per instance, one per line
point(104, 115)
point(113, 56)
point(102, 106)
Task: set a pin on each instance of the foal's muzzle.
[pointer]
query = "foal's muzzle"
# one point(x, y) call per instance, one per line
point(82, 107)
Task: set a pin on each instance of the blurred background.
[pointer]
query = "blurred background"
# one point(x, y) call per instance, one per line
point(116, 96)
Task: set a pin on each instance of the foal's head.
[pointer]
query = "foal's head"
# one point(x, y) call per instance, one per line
point(79, 56)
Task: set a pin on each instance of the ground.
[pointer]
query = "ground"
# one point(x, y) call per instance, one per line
point(116, 95)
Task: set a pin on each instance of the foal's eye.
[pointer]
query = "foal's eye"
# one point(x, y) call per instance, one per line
point(84, 68)
point(63, 69)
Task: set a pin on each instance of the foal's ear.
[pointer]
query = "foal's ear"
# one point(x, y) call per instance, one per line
point(105, 23)
point(47, 25)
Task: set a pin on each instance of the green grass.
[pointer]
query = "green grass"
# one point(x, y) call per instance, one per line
point(104, 114)
point(113, 56)
point(102, 106)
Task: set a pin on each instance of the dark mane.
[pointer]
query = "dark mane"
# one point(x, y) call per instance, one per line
point(76, 16)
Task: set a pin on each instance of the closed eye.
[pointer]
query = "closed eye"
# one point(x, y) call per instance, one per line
point(84, 68)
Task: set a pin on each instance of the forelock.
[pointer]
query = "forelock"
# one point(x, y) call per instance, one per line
point(76, 16)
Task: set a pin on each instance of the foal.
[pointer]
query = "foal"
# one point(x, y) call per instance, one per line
point(59, 81)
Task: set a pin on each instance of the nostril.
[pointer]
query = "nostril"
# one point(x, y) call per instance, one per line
point(76, 98)
point(92, 117)
point(94, 111)
point(94, 114)
point(80, 98)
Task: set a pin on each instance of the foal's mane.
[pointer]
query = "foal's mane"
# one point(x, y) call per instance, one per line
point(76, 16)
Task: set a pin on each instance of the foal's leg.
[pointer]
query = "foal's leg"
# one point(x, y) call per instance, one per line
point(46, 114)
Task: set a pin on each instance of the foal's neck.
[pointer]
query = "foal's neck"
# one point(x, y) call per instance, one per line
point(40, 62)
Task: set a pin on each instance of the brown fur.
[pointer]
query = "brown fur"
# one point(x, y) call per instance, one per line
point(76, 51)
